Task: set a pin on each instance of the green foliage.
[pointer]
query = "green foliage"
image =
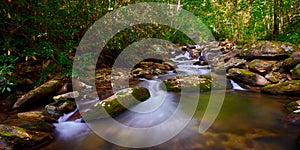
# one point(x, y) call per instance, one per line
point(5, 83)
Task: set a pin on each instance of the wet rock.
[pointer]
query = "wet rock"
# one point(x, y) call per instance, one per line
point(39, 93)
point(296, 72)
point(25, 124)
point(247, 77)
point(21, 137)
point(221, 67)
point(288, 87)
point(69, 95)
point(292, 106)
point(36, 116)
point(117, 103)
point(275, 77)
point(261, 66)
point(67, 106)
point(192, 83)
point(293, 118)
point(9, 101)
point(267, 50)
point(290, 62)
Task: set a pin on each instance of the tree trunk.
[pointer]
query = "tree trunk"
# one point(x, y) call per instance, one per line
point(276, 22)
point(281, 17)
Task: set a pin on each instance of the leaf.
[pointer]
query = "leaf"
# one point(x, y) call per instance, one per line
point(8, 89)
point(8, 16)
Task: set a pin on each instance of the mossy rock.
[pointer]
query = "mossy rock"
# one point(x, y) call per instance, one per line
point(195, 82)
point(25, 124)
point(36, 116)
point(246, 77)
point(221, 67)
point(296, 72)
point(20, 136)
point(267, 50)
point(290, 62)
point(261, 66)
point(67, 106)
point(117, 103)
point(289, 87)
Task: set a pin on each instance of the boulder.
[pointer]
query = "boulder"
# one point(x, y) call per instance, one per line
point(267, 50)
point(67, 106)
point(221, 67)
point(114, 105)
point(261, 66)
point(37, 94)
point(247, 77)
point(193, 82)
point(21, 137)
point(275, 77)
point(69, 95)
point(288, 87)
point(36, 116)
point(25, 124)
point(296, 72)
point(290, 62)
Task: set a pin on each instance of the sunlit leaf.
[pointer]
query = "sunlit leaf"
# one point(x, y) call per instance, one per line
point(8, 16)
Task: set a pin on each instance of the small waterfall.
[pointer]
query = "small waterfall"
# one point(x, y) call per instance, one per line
point(235, 86)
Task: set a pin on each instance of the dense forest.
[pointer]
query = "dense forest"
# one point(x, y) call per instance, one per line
point(49, 31)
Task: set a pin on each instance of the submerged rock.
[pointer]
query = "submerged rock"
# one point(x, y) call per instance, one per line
point(247, 77)
point(288, 87)
point(114, 105)
point(268, 50)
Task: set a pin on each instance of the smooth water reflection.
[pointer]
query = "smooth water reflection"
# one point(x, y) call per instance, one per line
point(246, 121)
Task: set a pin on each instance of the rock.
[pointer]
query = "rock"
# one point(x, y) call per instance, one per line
point(296, 72)
point(267, 50)
point(230, 54)
point(247, 77)
point(288, 87)
point(25, 124)
point(261, 66)
point(275, 77)
point(192, 83)
point(67, 106)
point(38, 93)
point(36, 116)
point(114, 105)
point(292, 106)
point(221, 67)
point(69, 95)
point(21, 137)
point(293, 118)
point(290, 62)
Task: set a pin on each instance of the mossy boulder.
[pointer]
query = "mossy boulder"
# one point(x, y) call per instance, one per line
point(22, 137)
point(117, 103)
point(221, 67)
point(25, 124)
point(192, 83)
point(267, 50)
point(261, 66)
point(275, 77)
point(296, 72)
point(67, 106)
point(247, 77)
point(290, 62)
point(288, 87)
point(36, 116)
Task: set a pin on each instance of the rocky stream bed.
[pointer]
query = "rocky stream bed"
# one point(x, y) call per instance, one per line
point(28, 121)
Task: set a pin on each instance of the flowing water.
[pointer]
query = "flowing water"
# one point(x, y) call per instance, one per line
point(246, 121)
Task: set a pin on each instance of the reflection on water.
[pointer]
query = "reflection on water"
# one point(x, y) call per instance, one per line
point(246, 121)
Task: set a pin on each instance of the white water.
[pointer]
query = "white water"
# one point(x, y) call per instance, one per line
point(235, 86)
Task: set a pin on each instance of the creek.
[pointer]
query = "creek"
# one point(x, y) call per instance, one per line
point(247, 120)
